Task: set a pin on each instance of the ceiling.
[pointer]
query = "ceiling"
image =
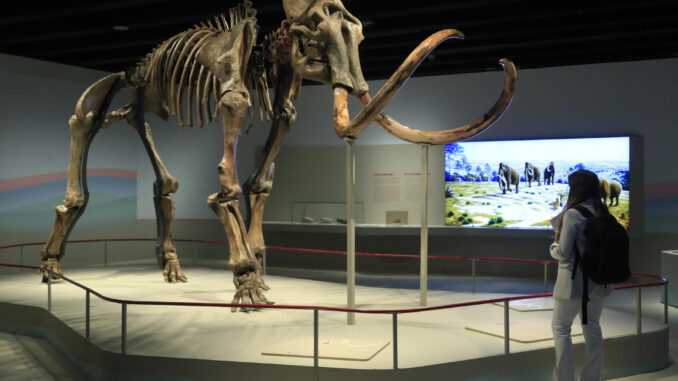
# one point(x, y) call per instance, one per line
point(533, 34)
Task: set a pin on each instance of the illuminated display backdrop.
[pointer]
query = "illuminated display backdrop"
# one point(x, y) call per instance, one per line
point(475, 195)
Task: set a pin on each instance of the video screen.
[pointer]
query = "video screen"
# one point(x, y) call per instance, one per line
point(523, 183)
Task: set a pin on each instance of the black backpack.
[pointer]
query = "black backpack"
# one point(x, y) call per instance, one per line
point(606, 256)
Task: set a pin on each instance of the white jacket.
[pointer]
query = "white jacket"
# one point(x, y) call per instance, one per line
point(573, 234)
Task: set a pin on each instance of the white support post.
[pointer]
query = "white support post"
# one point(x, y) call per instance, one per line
point(423, 250)
point(350, 230)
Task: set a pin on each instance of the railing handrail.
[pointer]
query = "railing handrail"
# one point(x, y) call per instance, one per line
point(663, 281)
point(324, 251)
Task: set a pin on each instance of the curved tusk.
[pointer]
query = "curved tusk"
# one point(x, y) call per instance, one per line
point(370, 111)
point(412, 135)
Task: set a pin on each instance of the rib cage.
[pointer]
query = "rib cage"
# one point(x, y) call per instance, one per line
point(173, 66)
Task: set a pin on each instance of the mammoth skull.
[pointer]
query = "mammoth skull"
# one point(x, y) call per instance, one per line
point(326, 50)
point(326, 45)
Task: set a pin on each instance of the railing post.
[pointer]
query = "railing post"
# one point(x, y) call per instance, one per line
point(316, 339)
point(395, 340)
point(473, 274)
point(21, 257)
point(506, 327)
point(123, 337)
point(105, 253)
point(666, 302)
point(263, 263)
point(546, 278)
point(195, 256)
point(87, 314)
point(49, 291)
point(639, 314)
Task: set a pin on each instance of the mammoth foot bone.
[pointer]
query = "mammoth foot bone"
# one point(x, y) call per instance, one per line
point(172, 271)
point(51, 264)
point(249, 286)
point(248, 290)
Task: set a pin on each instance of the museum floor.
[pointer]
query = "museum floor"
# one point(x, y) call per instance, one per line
point(284, 336)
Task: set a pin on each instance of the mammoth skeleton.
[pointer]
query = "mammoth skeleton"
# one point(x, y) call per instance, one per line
point(221, 62)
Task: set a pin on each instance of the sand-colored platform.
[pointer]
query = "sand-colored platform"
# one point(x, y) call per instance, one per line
point(208, 333)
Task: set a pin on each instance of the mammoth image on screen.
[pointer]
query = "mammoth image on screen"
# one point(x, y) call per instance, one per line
point(523, 183)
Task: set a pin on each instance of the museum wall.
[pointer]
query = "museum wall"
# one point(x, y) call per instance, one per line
point(588, 100)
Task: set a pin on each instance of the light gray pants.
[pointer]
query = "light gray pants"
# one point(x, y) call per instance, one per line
point(564, 312)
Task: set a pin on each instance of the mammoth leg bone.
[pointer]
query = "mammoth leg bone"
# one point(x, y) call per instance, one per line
point(258, 186)
point(372, 107)
point(89, 117)
point(243, 263)
point(164, 184)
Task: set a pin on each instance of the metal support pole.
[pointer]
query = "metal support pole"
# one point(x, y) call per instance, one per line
point(639, 314)
point(263, 263)
point(21, 257)
point(395, 340)
point(473, 274)
point(546, 278)
point(195, 257)
point(123, 337)
point(506, 327)
point(49, 291)
point(350, 230)
point(87, 320)
point(423, 250)
point(666, 303)
point(105, 253)
point(316, 339)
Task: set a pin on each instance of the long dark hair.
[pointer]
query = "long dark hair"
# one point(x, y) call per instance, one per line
point(584, 186)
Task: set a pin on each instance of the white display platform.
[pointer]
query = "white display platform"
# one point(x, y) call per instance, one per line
point(527, 305)
point(521, 331)
point(336, 348)
point(209, 333)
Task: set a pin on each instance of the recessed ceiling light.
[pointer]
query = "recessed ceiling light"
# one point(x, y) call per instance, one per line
point(120, 28)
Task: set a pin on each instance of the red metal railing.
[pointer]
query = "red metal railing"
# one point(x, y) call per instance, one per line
point(394, 312)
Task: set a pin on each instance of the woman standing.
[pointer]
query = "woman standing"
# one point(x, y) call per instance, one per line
point(568, 291)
